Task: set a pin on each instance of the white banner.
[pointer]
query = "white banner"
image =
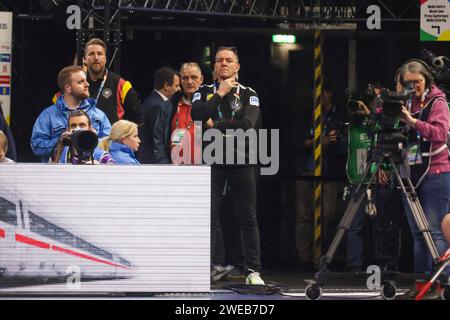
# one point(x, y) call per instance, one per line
point(5, 63)
point(332, 13)
point(69, 228)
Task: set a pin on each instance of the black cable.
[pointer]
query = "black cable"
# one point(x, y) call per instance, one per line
point(270, 288)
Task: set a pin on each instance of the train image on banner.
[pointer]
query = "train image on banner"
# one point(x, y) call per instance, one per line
point(35, 246)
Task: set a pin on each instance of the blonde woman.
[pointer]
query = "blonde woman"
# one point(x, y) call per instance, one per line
point(122, 142)
point(4, 149)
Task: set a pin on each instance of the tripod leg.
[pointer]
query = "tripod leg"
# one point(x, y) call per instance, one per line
point(346, 221)
point(418, 214)
point(433, 279)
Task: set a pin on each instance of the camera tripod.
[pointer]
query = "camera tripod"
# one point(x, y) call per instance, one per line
point(397, 160)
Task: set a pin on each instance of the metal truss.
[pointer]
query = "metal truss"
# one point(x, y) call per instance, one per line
point(104, 18)
point(26, 9)
point(101, 19)
point(282, 10)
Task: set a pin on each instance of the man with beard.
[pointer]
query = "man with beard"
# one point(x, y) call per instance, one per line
point(114, 95)
point(52, 122)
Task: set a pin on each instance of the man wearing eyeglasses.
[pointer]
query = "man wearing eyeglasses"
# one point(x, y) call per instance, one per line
point(230, 105)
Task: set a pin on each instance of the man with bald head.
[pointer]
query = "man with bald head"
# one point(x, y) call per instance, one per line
point(174, 117)
point(227, 104)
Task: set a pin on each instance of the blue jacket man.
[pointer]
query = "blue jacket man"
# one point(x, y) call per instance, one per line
point(52, 122)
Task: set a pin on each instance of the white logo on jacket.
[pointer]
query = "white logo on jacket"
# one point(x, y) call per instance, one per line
point(197, 96)
point(254, 101)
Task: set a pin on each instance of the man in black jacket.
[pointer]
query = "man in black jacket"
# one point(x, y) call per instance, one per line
point(166, 83)
point(115, 96)
point(232, 106)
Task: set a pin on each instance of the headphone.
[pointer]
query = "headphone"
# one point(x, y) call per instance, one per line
point(425, 73)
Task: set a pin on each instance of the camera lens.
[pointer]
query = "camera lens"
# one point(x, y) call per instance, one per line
point(67, 141)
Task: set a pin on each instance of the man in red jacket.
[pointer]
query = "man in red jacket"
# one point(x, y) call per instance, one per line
point(174, 128)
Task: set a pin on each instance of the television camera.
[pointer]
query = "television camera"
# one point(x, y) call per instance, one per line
point(82, 144)
point(384, 110)
point(439, 68)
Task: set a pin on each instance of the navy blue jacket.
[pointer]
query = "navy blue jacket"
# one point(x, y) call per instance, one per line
point(162, 129)
point(150, 109)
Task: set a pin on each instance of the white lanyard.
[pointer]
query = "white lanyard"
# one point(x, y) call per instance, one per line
point(102, 85)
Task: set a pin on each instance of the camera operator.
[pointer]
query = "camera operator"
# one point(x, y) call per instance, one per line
point(335, 143)
point(429, 117)
point(357, 160)
point(377, 102)
point(384, 203)
point(67, 150)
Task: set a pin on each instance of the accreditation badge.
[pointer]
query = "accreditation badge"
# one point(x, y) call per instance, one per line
point(361, 161)
point(414, 156)
point(177, 136)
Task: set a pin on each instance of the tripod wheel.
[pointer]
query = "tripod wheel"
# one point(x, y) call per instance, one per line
point(445, 294)
point(388, 290)
point(313, 292)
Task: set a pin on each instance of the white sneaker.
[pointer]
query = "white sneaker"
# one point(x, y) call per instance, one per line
point(254, 278)
point(219, 272)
